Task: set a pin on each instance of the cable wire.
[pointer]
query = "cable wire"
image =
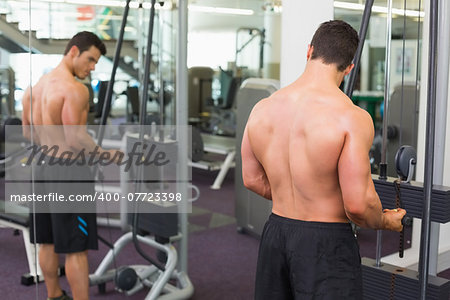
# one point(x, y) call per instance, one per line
point(400, 139)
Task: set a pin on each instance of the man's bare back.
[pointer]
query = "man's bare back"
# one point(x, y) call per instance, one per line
point(49, 95)
point(59, 99)
point(306, 147)
point(310, 122)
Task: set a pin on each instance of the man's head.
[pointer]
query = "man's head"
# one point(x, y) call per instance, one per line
point(84, 50)
point(335, 42)
point(84, 40)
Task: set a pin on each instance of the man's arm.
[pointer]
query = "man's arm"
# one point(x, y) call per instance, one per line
point(74, 118)
point(253, 174)
point(361, 202)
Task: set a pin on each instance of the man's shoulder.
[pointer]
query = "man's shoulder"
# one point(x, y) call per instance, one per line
point(357, 121)
point(358, 114)
point(259, 106)
point(348, 109)
point(273, 99)
point(76, 84)
point(57, 80)
point(76, 88)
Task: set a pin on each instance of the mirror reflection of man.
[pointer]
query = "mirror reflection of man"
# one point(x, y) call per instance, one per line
point(59, 98)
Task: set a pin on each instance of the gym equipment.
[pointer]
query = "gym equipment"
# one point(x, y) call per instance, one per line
point(252, 210)
point(19, 220)
point(7, 87)
point(214, 116)
point(413, 194)
point(17, 217)
point(221, 119)
point(126, 278)
point(431, 124)
point(405, 160)
point(408, 284)
point(9, 121)
point(383, 161)
point(393, 282)
point(399, 116)
point(13, 215)
point(148, 275)
point(362, 38)
point(158, 230)
point(197, 149)
point(387, 94)
point(101, 97)
point(217, 124)
point(165, 226)
point(212, 145)
point(253, 33)
point(7, 103)
point(133, 101)
point(199, 80)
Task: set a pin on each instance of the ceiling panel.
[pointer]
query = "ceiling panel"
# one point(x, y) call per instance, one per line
point(253, 4)
point(410, 4)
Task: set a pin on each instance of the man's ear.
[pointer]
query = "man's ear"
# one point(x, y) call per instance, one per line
point(309, 52)
point(74, 51)
point(349, 69)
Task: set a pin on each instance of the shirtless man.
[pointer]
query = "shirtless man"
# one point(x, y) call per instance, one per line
point(59, 99)
point(306, 148)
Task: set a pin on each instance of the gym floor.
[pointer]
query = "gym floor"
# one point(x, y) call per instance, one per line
point(222, 262)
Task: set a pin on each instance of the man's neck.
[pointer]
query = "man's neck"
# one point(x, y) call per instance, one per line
point(66, 66)
point(318, 72)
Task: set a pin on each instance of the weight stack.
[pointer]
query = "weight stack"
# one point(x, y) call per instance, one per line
point(412, 196)
point(396, 283)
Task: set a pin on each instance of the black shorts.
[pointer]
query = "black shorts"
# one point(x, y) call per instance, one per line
point(308, 260)
point(69, 232)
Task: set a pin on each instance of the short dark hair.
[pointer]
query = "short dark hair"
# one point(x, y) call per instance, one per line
point(335, 42)
point(84, 40)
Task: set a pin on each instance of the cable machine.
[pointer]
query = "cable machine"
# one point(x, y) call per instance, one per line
point(426, 201)
point(130, 279)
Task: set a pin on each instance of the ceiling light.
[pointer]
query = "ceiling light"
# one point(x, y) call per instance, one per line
point(380, 9)
point(112, 3)
point(221, 10)
point(167, 5)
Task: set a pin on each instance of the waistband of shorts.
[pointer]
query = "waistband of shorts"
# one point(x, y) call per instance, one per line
point(310, 224)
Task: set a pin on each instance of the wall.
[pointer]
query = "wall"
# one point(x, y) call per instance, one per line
point(299, 21)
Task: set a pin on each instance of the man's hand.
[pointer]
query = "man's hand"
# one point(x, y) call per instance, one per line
point(393, 219)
